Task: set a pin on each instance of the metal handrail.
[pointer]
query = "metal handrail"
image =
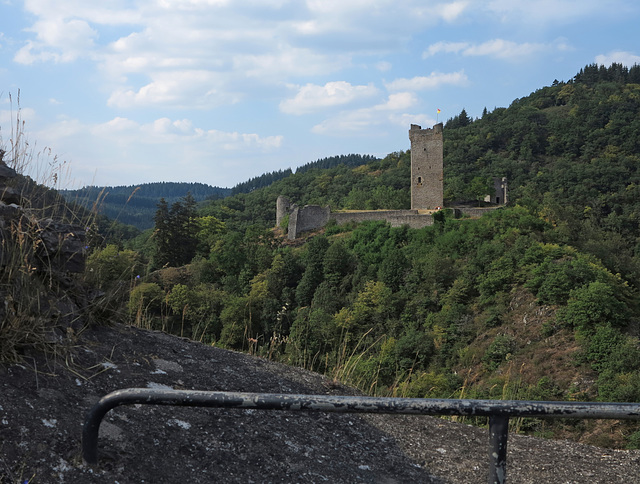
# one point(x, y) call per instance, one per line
point(498, 411)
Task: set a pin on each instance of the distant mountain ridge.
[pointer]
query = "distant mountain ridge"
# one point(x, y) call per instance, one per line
point(136, 204)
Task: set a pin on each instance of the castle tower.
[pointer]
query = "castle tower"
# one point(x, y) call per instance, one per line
point(426, 167)
point(283, 208)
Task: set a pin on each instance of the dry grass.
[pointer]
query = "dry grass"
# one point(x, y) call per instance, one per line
point(30, 297)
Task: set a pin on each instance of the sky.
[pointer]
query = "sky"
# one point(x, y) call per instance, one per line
point(125, 92)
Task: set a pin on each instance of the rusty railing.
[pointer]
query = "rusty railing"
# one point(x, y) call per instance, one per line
point(498, 411)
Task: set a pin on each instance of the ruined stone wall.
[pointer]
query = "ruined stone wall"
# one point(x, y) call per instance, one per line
point(396, 218)
point(427, 192)
point(309, 217)
point(312, 217)
point(473, 212)
point(499, 195)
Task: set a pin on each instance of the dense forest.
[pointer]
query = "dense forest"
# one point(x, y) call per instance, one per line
point(267, 179)
point(537, 300)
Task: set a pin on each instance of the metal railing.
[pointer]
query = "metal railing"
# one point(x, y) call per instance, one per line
point(498, 411)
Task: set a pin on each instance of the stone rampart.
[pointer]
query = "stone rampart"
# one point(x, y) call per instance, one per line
point(311, 217)
point(396, 218)
point(473, 212)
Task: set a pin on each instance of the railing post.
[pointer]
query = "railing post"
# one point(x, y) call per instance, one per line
point(498, 434)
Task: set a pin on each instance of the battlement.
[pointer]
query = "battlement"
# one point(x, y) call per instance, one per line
point(416, 130)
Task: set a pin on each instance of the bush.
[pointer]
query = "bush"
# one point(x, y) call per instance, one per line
point(498, 351)
point(431, 385)
point(108, 266)
point(633, 441)
point(145, 301)
point(591, 305)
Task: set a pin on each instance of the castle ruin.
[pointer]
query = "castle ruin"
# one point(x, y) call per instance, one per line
point(427, 193)
point(427, 170)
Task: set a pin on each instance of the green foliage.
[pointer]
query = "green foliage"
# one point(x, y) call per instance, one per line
point(430, 385)
point(591, 305)
point(499, 351)
point(314, 272)
point(208, 232)
point(633, 441)
point(110, 266)
point(146, 300)
point(314, 335)
point(179, 299)
point(136, 204)
point(177, 232)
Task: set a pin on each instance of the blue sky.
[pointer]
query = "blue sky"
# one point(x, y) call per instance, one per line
point(219, 91)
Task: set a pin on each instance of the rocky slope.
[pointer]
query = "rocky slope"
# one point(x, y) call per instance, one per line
point(43, 402)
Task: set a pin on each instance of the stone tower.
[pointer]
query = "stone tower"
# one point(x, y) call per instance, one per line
point(426, 167)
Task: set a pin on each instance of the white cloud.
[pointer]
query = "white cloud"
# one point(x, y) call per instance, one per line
point(198, 89)
point(499, 48)
point(57, 40)
point(361, 121)
point(163, 149)
point(166, 131)
point(8, 116)
point(406, 119)
point(451, 11)
point(552, 11)
point(388, 10)
point(204, 53)
point(432, 81)
point(384, 66)
point(397, 101)
point(626, 58)
point(312, 97)
point(444, 47)
point(288, 61)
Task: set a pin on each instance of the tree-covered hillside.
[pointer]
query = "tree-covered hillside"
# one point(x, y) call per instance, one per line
point(537, 300)
point(136, 204)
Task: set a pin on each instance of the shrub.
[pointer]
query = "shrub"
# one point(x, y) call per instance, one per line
point(593, 304)
point(498, 351)
point(430, 385)
point(106, 267)
point(146, 298)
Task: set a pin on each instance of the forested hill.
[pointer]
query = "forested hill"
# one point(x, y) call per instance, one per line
point(536, 300)
point(330, 162)
point(570, 152)
point(136, 204)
